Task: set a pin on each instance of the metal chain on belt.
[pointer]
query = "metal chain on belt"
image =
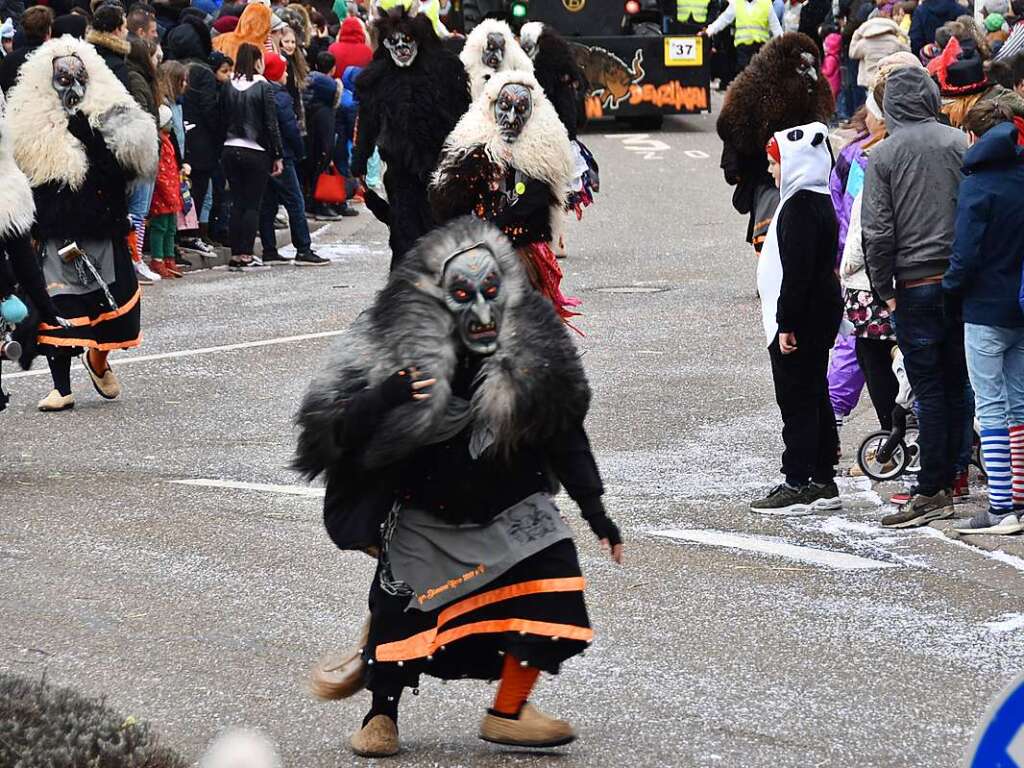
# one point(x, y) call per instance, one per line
point(388, 583)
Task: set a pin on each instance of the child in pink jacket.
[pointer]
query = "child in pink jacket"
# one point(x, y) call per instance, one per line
point(830, 67)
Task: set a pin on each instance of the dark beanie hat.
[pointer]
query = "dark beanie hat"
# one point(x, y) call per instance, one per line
point(72, 24)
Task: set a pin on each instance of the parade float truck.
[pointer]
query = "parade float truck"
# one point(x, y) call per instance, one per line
point(637, 73)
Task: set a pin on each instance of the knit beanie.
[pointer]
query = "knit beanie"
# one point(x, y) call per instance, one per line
point(994, 22)
point(225, 24)
point(165, 116)
point(274, 66)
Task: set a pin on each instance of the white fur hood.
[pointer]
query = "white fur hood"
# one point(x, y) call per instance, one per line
point(38, 126)
point(541, 152)
point(479, 74)
point(17, 209)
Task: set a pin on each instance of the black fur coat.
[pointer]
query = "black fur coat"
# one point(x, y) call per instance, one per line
point(530, 395)
point(562, 80)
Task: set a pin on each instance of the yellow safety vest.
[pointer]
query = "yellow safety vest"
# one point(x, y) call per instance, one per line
point(698, 9)
point(752, 22)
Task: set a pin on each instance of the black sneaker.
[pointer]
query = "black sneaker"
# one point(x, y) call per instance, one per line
point(344, 210)
point(920, 510)
point(323, 213)
point(309, 258)
point(826, 497)
point(273, 257)
point(784, 499)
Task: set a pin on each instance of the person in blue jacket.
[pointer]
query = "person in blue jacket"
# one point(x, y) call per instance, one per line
point(983, 282)
point(928, 17)
point(285, 189)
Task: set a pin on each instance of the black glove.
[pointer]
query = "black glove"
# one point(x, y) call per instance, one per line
point(78, 126)
point(397, 389)
point(597, 518)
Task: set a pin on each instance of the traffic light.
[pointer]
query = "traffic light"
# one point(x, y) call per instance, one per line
point(519, 9)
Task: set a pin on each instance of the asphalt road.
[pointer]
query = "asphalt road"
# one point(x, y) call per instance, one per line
point(201, 606)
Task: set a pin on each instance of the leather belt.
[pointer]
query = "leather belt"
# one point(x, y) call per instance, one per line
point(917, 283)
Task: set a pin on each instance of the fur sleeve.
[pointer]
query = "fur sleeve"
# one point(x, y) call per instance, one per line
point(461, 178)
point(131, 133)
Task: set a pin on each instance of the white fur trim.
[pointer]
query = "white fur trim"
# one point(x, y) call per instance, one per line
point(44, 149)
point(542, 151)
point(479, 75)
point(17, 208)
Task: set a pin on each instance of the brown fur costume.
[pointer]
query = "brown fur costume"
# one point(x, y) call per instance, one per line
point(781, 87)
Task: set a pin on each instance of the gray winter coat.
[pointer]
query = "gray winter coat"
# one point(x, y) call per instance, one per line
point(910, 187)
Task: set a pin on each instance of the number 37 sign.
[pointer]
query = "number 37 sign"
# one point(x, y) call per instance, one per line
point(684, 52)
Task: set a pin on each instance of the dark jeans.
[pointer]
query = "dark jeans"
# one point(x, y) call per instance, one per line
point(200, 185)
point(284, 190)
point(851, 96)
point(933, 351)
point(247, 171)
point(744, 53)
point(345, 127)
point(874, 356)
point(808, 422)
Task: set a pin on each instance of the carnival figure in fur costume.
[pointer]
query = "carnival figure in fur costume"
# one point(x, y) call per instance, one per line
point(443, 422)
point(781, 87)
point(410, 97)
point(23, 297)
point(565, 86)
point(492, 48)
point(509, 161)
point(81, 139)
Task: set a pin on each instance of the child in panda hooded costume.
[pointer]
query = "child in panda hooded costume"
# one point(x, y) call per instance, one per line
point(801, 309)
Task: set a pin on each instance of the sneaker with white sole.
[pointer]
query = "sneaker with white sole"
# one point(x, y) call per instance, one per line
point(991, 521)
point(784, 499)
point(142, 270)
point(826, 497)
point(920, 510)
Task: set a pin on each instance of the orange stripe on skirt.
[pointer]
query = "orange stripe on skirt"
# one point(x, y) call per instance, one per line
point(427, 642)
point(60, 341)
point(78, 322)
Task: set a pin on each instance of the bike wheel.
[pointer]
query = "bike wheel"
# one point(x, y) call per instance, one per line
point(874, 469)
point(913, 451)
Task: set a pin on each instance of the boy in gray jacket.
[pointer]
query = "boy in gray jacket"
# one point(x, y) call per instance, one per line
point(909, 211)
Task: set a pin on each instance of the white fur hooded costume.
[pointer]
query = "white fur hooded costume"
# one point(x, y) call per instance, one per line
point(541, 152)
point(515, 57)
point(38, 126)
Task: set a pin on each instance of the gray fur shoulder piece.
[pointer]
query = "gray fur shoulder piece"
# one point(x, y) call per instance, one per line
point(17, 208)
point(532, 388)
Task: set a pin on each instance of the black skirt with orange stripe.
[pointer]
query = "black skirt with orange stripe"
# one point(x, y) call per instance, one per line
point(94, 323)
point(534, 611)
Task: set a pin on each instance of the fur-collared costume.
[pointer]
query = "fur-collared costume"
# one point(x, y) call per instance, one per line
point(555, 68)
point(19, 268)
point(79, 167)
point(520, 186)
point(782, 87)
point(406, 112)
point(514, 58)
point(524, 403)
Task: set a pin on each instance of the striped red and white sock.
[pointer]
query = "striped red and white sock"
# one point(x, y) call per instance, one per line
point(1017, 461)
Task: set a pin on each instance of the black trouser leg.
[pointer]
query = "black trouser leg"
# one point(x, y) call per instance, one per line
point(247, 171)
point(60, 372)
point(874, 356)
point(385, 702)
point(808, 424)
point(200, 186)
point(744, 53)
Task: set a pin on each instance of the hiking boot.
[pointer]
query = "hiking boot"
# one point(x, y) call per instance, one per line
point(826, 496)
point(171, 268)
point(104, 382)
point(920, 510)
point(531, 729)
point(55, 401)
point(784, 499)
point(991, 521)
point(309, 258)
point(378, 738)
point(962, 486)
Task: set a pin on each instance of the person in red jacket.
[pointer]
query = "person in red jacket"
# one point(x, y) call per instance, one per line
point(166, 203)
point(351, 49)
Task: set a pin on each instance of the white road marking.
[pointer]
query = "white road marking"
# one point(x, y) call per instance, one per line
point(642, 144)
point(770, 545)
point(119, 361)
point(288, 490)
point(1008, 622)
